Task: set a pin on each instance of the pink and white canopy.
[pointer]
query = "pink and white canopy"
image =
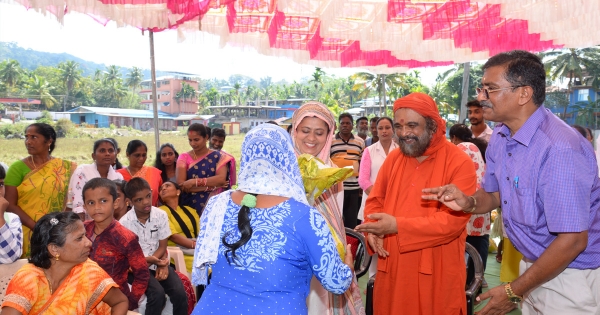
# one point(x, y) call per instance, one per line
point(381, 35)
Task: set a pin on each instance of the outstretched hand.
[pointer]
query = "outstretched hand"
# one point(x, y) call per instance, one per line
point(376, 244)
point(385, 224)
point(449, 195)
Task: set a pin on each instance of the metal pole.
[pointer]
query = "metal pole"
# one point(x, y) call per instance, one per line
point(465, 93)
point(154, 101)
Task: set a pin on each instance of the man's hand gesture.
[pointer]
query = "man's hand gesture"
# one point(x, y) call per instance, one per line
point(450, 196)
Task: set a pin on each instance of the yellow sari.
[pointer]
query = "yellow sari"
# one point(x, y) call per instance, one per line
point(81, 292)
point(42, 191)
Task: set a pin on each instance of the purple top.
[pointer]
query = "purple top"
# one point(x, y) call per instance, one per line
point(547, 177)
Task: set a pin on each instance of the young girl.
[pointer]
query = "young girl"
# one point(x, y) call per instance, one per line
point(122, 204)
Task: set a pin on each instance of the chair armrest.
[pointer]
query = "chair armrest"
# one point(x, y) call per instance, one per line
point(177, 255)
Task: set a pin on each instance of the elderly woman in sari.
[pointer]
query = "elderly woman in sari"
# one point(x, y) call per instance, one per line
point(313, 128)
point(103, 154)
point(201, 171)
point(264, 241)
point(137, 153)
point(60, 279)
point(37, 184)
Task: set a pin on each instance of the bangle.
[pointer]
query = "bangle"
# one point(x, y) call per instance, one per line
point(474, 205)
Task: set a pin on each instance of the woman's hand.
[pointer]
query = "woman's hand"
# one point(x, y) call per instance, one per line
point(348, 259)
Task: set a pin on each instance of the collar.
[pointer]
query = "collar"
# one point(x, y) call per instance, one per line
point(337, 136)
point(529, 128)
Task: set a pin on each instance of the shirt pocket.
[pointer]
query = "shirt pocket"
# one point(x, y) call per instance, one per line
point(523, 210)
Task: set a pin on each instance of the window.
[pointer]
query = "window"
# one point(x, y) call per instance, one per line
point(583, 95)
point(166, 82)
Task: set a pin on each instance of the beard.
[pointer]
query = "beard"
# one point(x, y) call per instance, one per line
point(418, 148)
point(362, 132)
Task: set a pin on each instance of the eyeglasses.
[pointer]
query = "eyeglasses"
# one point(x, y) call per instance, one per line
point(486, 92)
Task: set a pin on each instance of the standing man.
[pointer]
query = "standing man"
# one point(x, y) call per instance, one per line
point(373, 127)
point(544, 175)
point(362, 127)
point(217, 140)
point(346, 150)
point(421, 244)
point(478, 126)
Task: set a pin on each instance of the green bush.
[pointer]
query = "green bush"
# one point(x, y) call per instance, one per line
point(46, 118)
point(64, 127)
point(12, 130)
point(112, 127)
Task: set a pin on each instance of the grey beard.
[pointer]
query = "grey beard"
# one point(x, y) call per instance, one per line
point(418, 148)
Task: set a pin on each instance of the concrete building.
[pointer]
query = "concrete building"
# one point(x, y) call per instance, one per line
point(103, 117)
point(166, 94)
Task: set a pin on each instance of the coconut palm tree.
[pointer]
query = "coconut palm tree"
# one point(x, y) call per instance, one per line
point(571, 63)
point(134, 78)
point(236, 88)
point(112, 73)
point(186, 92)
point(317, 80)
point(11, 74)
point(70, 75)
point(368, 83)
point(40, 88)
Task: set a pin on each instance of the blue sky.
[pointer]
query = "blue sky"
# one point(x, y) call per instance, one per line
point(85, 38)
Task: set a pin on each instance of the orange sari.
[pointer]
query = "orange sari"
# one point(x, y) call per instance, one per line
point(151, 175)
point(81, 292)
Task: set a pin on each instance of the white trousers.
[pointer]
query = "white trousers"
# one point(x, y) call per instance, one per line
point(572, 292)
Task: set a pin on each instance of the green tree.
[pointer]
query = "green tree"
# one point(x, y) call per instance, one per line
point(572, 63)
point(187, 92)
point(70, 75)
point(369, 84)
point(112, 73)
point(317, 80)
point(11, 75)
point(134, 79)
point(237, 86)
point(38, 87)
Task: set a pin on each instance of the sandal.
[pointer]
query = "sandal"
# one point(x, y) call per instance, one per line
point(499, 259)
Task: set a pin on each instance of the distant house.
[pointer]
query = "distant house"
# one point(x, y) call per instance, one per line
point(579, 98)
point(103, 117)
point(166, 91)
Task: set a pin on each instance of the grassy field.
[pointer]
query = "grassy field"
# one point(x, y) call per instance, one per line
point(79, 150)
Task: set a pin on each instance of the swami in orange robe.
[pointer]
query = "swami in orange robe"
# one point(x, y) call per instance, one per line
point(425, 270)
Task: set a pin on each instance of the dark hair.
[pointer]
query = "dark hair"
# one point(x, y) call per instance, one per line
point(120, 185)
point(590, 132)
point(46, 233)
point(201, 129)
point(463, 133)
point(272, 122)
point(134, 186)
point(100, 182)
point(2, 172)
point(386, 118)
point(522, 69)
point(581, 130)
point(158, 162)
point(374, 119)
point(133, 145)
point(47, 131)
point(289, 128)
point(474, 103)
point(118, 164)
point(218, 132)
point(209, 131)
point(245, 233)
point(97, 144)
point(177, 187)
point(345, 115)
point(362, 118)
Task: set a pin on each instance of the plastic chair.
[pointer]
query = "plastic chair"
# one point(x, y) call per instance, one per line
point(362, 259)
point(473, 284)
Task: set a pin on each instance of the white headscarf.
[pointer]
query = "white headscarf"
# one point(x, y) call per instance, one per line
point(269, 167)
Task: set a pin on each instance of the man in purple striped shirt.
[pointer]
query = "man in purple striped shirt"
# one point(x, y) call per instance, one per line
point(544, 176)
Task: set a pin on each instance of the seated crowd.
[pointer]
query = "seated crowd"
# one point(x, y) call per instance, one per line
point(271, 239)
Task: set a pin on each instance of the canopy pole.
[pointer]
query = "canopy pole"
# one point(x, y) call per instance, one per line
point(154, 101)
point(465, 93)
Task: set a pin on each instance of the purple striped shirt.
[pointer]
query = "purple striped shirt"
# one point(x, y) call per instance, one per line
point(547, 177)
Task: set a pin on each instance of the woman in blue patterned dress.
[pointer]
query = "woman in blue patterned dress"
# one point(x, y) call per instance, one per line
point(263, 241)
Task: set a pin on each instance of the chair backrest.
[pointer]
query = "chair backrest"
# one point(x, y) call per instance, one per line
point(7, 271)
point(477, 265)
point(362, 259)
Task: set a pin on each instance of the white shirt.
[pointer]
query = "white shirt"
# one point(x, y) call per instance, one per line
point(486, 134)
point(83, 173)
point(154, 230)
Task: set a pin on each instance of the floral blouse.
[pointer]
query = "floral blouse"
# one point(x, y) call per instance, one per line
point(479, 224)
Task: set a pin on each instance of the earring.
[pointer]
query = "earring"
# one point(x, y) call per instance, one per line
point(56, 257)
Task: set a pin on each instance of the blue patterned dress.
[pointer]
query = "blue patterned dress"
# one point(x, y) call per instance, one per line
point(290, 243)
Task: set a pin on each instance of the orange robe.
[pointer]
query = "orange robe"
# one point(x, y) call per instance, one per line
point(425, 272)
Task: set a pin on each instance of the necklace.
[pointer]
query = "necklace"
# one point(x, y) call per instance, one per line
point(194, 152)
point(33, 162)
point(49, 282)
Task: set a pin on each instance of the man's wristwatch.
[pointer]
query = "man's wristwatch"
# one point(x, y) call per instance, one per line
point(511, 295)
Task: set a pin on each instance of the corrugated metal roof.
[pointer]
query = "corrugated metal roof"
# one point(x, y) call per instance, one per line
point(125, 112)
